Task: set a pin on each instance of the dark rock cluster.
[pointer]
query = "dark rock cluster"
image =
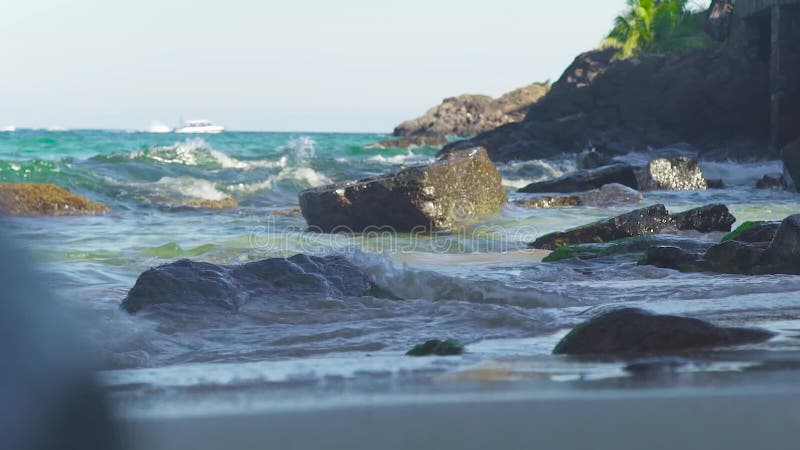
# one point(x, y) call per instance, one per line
point(677, 174)
point(753, 249)
point(650, 220)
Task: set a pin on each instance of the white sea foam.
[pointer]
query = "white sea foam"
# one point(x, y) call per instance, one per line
point(740, 174)
point(191, 188)
point(518, 174)
point(305, 175)
point(408, 158)
point(197, 152)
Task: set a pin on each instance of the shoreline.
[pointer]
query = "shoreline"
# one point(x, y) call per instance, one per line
point(729, 418)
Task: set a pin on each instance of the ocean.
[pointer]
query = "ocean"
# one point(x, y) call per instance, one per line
point(480, 286)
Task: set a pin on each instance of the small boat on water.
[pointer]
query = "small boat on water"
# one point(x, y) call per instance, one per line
point(8, 129)
point(200, 126)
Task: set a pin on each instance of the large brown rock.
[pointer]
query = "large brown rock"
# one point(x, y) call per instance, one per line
point(635, 331)
point(468, 115)
point(35, 199)
point(710, 99)
point(458, 188)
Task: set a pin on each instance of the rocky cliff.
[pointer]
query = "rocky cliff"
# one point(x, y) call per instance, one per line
point(711, 99)
point(469, 115)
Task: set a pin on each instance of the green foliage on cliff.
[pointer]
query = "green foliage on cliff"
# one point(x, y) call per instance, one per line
point(656, 26)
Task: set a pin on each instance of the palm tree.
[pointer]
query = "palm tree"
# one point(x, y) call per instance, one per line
point(646, 25)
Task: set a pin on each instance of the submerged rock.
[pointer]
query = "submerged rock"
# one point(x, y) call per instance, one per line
point(37, 199)
point(636, 331)
point(585, 180)
point(679, 174)
point(609, 194)
point(221, 204)
point(593, 159)
point(458, 188)
point(427, 140)
point(705, 219)
point(192, 285)
point(734, 257)
point(771, 181)
point(437, 348)
point(670, 257)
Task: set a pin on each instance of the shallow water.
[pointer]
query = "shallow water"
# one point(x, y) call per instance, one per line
point(480, 286)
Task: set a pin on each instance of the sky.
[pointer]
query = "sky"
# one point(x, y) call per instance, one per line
point(294, 65)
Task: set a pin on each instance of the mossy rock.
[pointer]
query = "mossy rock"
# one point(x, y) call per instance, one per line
point(39, 200)
point(627, 246)
point(436, 347)
point(756, 231)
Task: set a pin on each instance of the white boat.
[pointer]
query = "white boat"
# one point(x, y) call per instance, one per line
point(199, 126)
point(9, 129)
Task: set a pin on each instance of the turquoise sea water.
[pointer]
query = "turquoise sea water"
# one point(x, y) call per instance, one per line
point(479, 286)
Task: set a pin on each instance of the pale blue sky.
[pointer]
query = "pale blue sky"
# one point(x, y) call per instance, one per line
point(310, 65)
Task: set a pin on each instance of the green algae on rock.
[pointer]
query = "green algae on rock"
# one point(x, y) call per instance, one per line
point(39, 199)
point(629, 246)
point(755, 231)
point(436, 347)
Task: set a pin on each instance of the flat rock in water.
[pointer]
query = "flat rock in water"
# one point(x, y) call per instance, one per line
point(630, 246)
point(458, 188)
point(651, 220)
point(38, 199)
point(608, 195)
point(191, 285)
point(585, 180)
point(758, 231)
point(678, 174)
point(636, 331)
point(436, 347)
point(771, 181)
point(671, 257)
